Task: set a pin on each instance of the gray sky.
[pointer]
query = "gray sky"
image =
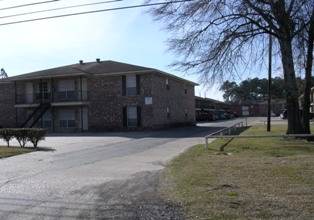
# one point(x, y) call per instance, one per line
point(128, 36)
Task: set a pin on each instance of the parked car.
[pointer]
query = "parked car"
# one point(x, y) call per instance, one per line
point(200, 116)
point(210, 117)
point(204, 116)
point(215, 116)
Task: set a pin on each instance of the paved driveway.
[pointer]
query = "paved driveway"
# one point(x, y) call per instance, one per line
point(92, 176)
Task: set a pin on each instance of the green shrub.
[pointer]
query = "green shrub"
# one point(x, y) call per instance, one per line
point(35, 135)
point(23, 135)
point(6, 135)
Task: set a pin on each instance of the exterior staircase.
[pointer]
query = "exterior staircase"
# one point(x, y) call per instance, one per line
point(36, 115)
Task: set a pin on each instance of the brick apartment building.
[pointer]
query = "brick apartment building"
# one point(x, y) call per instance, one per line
point(96, 96)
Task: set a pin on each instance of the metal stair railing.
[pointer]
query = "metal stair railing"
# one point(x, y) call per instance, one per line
point(35, 116)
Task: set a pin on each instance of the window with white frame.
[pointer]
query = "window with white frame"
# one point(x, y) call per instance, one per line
point(131, 85)
point(66, 89)
point(67, 118)
point(132, 116)
point(42, 91)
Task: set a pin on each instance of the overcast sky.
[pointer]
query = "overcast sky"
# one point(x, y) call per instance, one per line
point(128, 36)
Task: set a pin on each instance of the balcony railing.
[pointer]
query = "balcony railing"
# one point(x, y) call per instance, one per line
point(51, 97)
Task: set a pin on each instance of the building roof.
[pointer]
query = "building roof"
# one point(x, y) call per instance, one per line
point(211, 100)
point(246, 102)
point(108, 67)
point(273, 101)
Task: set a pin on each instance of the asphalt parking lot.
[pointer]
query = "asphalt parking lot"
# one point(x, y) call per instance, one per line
point(97, 175)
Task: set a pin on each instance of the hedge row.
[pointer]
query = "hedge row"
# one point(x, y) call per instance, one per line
point(23, 135)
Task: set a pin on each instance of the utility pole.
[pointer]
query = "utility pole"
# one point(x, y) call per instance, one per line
point(270, 48)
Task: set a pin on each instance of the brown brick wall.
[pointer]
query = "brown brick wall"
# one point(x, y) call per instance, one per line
point(107, 102)
point(176, 99)
point(7, 109)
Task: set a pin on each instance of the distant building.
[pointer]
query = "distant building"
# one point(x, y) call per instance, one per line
point(207, 109)
point(210, 104)
point(257, 107)
point(277, 105)
point(245, 108)
point(97, 96)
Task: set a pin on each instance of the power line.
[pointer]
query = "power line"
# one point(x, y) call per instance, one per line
point(95, 11)
point(30, 4)
point(61, 8)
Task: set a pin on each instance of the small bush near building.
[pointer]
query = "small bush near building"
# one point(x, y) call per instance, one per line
point(36, 135)
point(23, 135)
point(6, 135)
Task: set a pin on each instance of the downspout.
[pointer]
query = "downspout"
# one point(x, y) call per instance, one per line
point(52, 99)
point(15, 91)
point(52, 89)
point(82, 123)
point(41, 91)
point(81, 85)
point(53, 119)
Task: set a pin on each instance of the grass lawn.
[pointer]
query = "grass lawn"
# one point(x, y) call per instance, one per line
point(12, 151)
point(262, 178)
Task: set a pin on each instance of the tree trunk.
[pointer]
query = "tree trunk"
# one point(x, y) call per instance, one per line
point(308, 77)
point(294, 116)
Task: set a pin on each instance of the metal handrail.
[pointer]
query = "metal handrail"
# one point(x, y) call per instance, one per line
point(222, 131)
point(79, 95)
point(263, 136)
point(229, 129)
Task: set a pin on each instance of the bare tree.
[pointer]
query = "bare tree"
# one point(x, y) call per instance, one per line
point(3, 74)
point(304, 48)
point(218, 39)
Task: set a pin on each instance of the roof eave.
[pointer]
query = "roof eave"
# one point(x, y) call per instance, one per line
point(175, 77)
point(148, 71)
point(15, 79)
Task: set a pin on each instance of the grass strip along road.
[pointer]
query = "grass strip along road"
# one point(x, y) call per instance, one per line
point(13, 151)
point(262, 178)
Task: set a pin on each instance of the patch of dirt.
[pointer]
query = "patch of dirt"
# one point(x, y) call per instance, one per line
point(133, 199)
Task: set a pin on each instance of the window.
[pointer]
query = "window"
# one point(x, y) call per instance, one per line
point(66, 89)
point(132, 116)
point(42, 91)
point(131, 85)
point(46, 120)
point(67, 118)
point(168, 112)
point(43, 87)
point(167, 84)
